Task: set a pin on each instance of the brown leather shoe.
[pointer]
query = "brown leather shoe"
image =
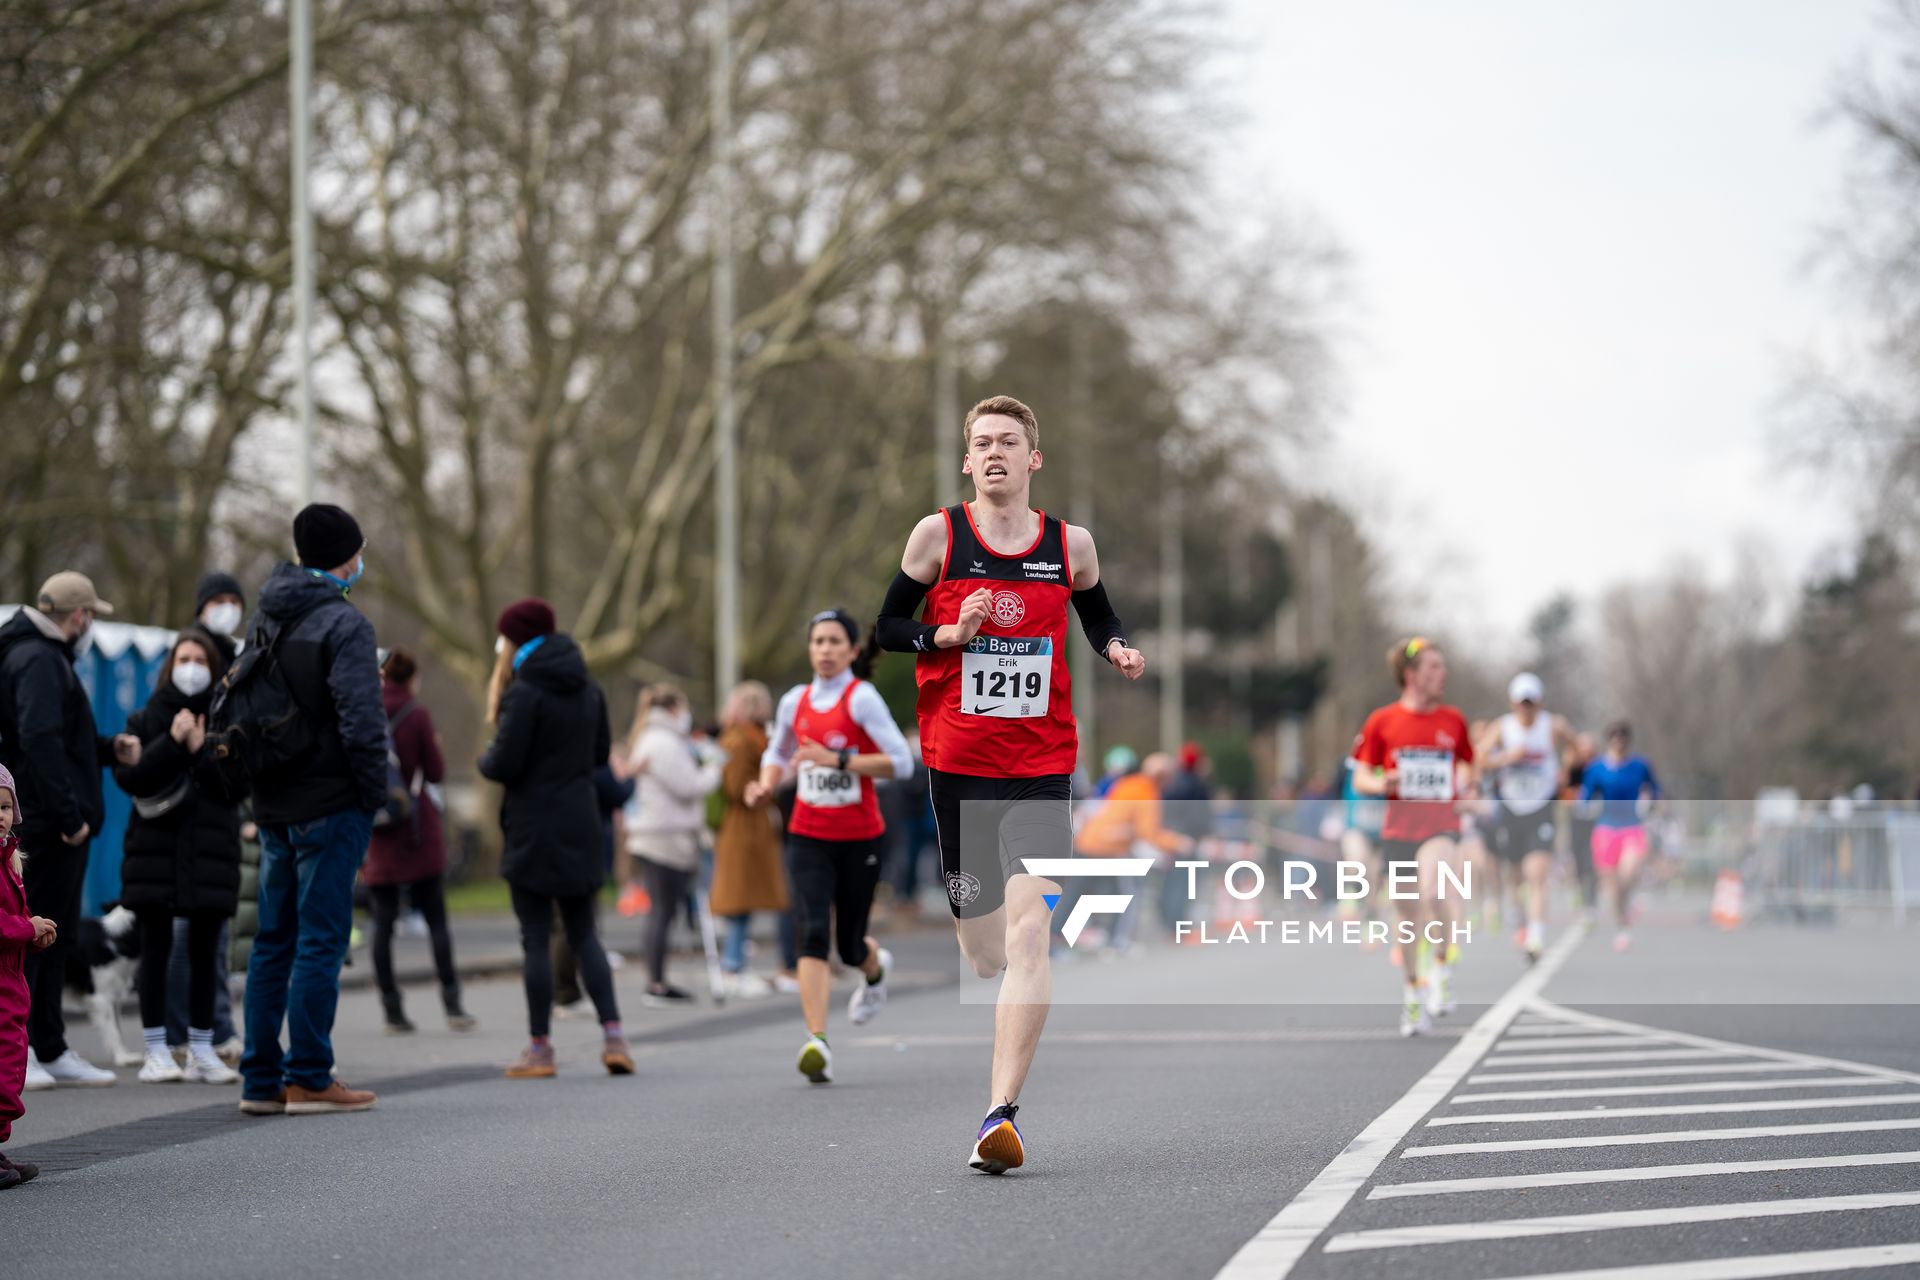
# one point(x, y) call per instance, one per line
point(534, 1063)
point(274, 1106)
point(616, 1057)
point(335, 1097)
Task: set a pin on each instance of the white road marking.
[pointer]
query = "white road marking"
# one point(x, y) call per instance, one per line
point(1760, 1266)
point(1686, 1109)
point(1748, 1050)
point(1616, 1220)
point(1634, 1173)
point(1535, 1030)
point(1694, 1086)
point(1676, 1135)
point(1636, 1055)
point(1297, 1035)
point(1507, 1045)
point(1634, 1073)
point(1275, 1249)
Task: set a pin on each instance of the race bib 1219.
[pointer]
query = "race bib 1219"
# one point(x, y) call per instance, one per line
point(1006, 676)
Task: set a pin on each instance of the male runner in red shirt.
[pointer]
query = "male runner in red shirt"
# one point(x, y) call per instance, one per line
point(996, 722)
point(1418, 753)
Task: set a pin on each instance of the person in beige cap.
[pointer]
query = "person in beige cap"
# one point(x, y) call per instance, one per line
point(49, 743)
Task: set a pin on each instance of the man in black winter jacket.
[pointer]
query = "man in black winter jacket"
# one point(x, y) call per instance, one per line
point(49, 743)
point(315, 819)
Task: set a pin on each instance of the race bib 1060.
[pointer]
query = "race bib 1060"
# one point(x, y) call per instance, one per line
point(1426, 773)
point(1006, 676)
point(825, 788)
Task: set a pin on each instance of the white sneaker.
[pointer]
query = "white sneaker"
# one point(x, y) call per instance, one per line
point(209, 1070)
point(615, 961)
point(231, 1051)
point(1439, 991)
point(750, 986)
point(72, 1070)
point(816, 1061)
point(1413, 1016)
point(868, 997)
point(160, 1068)
point(786, 984)
point(37, 1077)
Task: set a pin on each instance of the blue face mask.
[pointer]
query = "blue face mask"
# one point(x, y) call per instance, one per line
point(345, 584)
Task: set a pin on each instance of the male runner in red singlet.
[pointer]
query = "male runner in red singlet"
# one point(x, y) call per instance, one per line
point(1418, 753)
point(996, 722)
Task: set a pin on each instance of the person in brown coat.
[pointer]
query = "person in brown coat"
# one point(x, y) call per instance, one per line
point(747, 871)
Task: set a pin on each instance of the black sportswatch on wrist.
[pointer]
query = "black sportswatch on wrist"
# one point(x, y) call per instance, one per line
point(846, 754)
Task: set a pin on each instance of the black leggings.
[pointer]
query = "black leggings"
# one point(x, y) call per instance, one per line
point(429, 898)
point(535, 913)
point(668, 887)
point(156, 946)
point(833, 884)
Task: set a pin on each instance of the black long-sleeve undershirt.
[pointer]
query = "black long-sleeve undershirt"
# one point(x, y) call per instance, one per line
point(901, 631)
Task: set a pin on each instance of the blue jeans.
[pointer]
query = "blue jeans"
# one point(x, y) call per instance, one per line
point(177, 968)
point(293, 976)
point(734, 959)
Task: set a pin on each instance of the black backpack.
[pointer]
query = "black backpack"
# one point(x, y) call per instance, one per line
point(256, 727)
point(399, 807)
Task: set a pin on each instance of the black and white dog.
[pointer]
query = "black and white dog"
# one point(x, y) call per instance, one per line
point(102, 969)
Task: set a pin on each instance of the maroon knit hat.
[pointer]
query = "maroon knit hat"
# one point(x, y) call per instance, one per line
point(523, 620)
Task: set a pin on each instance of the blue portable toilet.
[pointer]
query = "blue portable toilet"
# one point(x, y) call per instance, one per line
point(118, 673)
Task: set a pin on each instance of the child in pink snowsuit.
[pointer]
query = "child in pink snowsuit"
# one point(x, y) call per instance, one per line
point(20, 930)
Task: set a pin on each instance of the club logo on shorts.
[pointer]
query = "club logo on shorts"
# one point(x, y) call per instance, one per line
point(962, 888)
point(1008, 608)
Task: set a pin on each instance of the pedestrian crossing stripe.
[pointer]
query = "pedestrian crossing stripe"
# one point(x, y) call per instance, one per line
point(1524, 1030)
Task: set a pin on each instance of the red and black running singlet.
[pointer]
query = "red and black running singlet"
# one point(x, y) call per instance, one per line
point(834, 804)
point(1002, 705)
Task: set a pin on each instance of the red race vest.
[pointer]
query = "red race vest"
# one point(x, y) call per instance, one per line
point(1001, 706)
point(834, 804)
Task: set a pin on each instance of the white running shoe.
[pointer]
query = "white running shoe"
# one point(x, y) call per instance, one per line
point(1440, 991)
point(816, 1061)
point(37, 1077)
point(72, 1070)
point(1413, 1015)
point(231, 1051)
point(160, 1068)
point(868, 997)
point(749, 986)
point(209, 1070)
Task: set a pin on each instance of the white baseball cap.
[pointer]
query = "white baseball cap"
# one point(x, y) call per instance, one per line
point(1526, 687)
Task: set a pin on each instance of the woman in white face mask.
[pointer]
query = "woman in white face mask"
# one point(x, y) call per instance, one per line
point(182, 858)
point(220, 610)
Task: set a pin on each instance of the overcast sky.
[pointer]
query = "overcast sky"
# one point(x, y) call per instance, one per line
point(1580, 234)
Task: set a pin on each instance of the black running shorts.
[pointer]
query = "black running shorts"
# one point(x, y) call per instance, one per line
point(1515, 835)
point(987, 825)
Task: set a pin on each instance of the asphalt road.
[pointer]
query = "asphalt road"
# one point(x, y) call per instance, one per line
point(1162, 1136)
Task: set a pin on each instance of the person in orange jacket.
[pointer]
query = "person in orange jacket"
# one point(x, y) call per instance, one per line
point(1129, 819)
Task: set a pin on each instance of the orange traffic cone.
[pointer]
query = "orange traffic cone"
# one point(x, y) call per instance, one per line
point(1728, 900)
